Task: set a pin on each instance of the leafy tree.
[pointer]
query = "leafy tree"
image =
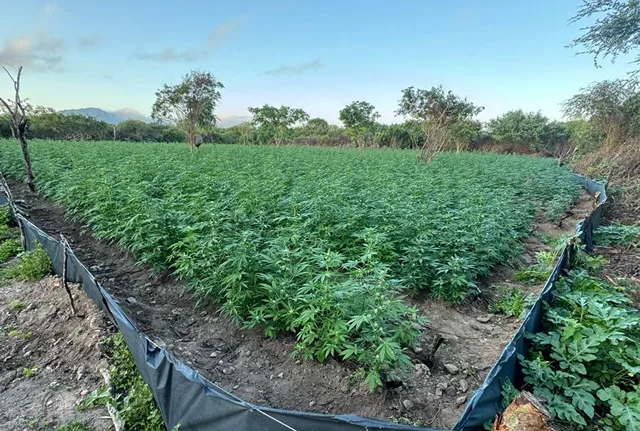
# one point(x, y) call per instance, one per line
point(358, 117)
point(190, 104)
point(464, 132)
point(441, 114)
point(5, 126)
point(316, 126)
point(520, 127)
point(613, 107)
point(583, 135)
point(436, 105)
point(615, 31)
point(274, 123)
point(532, 129)
point(137, 131)
point(46, 123)
point(172, 134)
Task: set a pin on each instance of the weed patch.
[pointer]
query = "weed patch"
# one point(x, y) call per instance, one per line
point(31, 266)
point(130, 395)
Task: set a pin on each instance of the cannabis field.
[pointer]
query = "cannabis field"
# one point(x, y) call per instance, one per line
point(317, 241)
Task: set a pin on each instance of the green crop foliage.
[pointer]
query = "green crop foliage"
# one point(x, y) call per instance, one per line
point(317, 241)
point(586, 361)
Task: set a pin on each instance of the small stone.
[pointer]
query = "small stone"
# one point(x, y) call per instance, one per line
point(484, 319)
point(111, 280)
point(214, 354)
point(464, 386)
point(451, 369)
point(442, 385)
point(281, 375)
point(132, 300)
point(228, 370)
point(49, 402)
point(148, 291)
point(236, 386)
point(461, 400)
point(220, 362)
point(312, 403)
point(480, 327)
point(175, 312)
point(421, 369)
point(80, 372)
point(271, 377)
point(451, 338)
point(439, 392)
point(247, 353)
point(298, 362)
point(84, 392)
point(417, 349)
point(407, 404)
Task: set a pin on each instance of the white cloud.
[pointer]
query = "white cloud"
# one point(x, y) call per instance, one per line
point(39, 51)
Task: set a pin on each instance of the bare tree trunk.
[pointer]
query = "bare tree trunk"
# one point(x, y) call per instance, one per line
point(31, 180)
point(19, 120)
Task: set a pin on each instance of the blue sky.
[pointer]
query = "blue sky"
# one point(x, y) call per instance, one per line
point(316, 55)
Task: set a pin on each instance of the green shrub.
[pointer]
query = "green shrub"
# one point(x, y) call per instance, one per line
point(31, 266)
point(9, 249)
point(617, 234)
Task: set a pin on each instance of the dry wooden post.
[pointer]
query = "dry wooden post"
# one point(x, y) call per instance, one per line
point(64, 244)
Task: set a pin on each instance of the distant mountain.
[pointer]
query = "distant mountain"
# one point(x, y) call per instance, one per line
point(111, 117)
point(115, 117)
point(232, 120)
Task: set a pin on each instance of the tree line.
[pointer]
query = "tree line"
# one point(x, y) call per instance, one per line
point(434, 114)
point(601, 115)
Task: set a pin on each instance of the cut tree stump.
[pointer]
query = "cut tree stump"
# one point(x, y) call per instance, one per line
point(525, 413)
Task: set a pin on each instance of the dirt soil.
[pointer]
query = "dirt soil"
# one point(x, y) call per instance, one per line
point(263, 370)
point(624, 261)
point(37, 330)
